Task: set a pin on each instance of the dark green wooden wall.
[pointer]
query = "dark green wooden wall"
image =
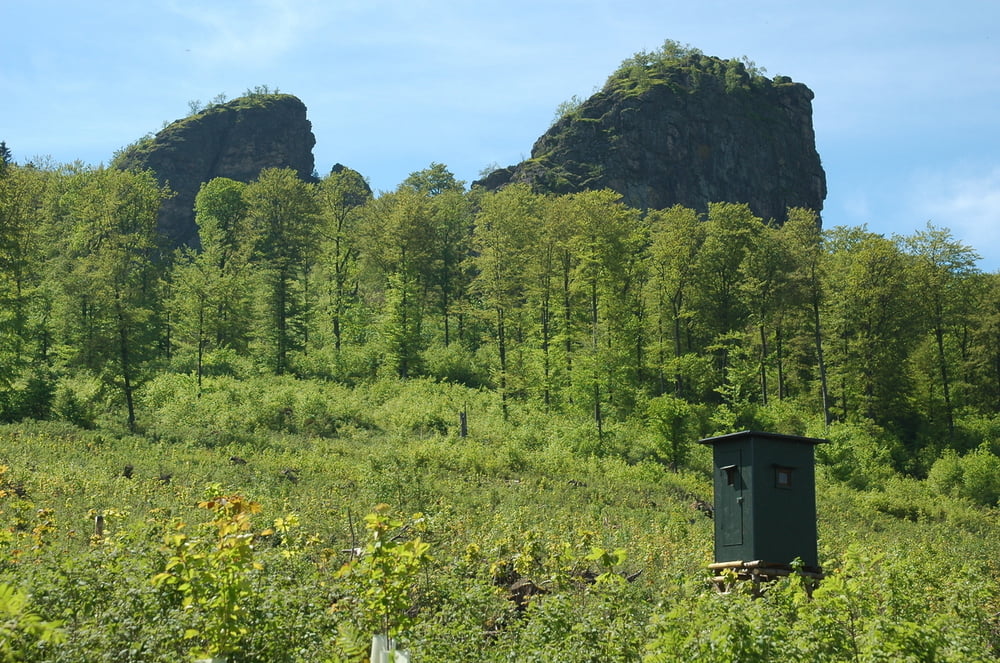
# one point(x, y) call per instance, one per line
point(765, 498)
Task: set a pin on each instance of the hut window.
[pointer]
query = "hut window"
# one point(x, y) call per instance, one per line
point(783, 477)
point(731, 472)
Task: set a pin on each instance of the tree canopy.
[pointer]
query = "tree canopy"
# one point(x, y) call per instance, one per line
point(576, 301)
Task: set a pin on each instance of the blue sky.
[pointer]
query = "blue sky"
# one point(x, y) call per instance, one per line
point(906, 108)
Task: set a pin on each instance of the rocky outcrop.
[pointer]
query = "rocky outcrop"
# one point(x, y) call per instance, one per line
point(689, 130)
point(237, 139)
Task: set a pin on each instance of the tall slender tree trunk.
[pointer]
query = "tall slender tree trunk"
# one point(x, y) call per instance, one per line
point(546, 358)
point(779, 360)
point(281, 318)
point(821, 361)
point(595, 345)
point(502, 352)
point(567, 322)
point(445, 307)
point(201, 342)
point(126, 365)
point(763, 365)
point(675, 305)
point(945, 383)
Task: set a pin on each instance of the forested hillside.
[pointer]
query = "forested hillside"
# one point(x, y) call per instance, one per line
point(573, 302)
point(313, 359)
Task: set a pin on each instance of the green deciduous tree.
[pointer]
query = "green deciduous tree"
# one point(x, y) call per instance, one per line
point(984, 352)
point(211, 289)
point(557, 298)
point(448, 277)
point(718, 309)
point(610, 248)
point(676, 235)
point(506, 228)
point(942, 272)
point(22, 191)
point(449, 225)
point(342, 195)
point(285, 219)
point(767, 289)
point(873, 314)
point(397, 253)
point(802, 234)
point(113, 284)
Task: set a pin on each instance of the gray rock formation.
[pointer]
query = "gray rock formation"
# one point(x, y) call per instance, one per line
point(689, 131)
point(237, 139)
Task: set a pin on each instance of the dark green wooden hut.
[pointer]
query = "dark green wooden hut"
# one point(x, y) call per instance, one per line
point(765, 498)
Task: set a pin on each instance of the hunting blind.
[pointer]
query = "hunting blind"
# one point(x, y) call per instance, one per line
point(765, 502)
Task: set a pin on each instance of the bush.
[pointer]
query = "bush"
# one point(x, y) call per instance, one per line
point(974, 476)
point(857, 455)
point(228, 409)
point(981, 476)
point(453, 363)
point(78, 400)
point(20, 628)
point(945, 476)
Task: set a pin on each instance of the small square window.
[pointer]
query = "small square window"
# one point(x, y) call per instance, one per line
point(732, 472)
point(783, 477)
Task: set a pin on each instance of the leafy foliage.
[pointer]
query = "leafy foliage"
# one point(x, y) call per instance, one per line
point(212, 574)
point(19, 626)
point(527, 372)
point(682, 65)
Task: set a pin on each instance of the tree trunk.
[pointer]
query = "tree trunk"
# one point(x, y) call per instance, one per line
point(945, 383)
point(763, 365)
point(123, 355)
point(820, 360)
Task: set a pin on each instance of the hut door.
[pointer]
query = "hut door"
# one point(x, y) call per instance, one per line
point(729, 507)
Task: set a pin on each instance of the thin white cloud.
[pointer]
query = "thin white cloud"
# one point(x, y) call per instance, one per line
point(967, 202)
point(253, 32)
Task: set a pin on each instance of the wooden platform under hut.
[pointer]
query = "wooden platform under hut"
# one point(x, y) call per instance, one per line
point(731, 575)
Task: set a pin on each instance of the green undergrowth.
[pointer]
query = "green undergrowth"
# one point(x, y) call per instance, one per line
point(227, 526)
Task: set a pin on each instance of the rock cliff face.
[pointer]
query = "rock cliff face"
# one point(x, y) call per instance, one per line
point(237, 139)
point(690, 131)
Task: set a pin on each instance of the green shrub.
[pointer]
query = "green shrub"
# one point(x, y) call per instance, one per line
point(453, 363)
point(20, 627)
point(856, 454)
point(79, 400)
point(945, 475)
point(974, 476)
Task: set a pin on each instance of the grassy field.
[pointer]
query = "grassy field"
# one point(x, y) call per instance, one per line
point(227, 529)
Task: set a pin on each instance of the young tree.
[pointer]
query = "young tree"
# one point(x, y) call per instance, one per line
point(342, 195)
point(610, 248)
point(6, 158)
point(210, 290)
point(397, 253)
point(676, 235)
point(114, 277)
point(227, 244)
point(985, 344)
point(189, 305)
point(766, 287)
point(432, 181)
point(545, 274)
point(557, 295)
point(874, 314)
point(506, 229)
point(448, 278)
point(802, 234)
point(719, 313)
point(449, 223)
point(21, 198)
point(285, 219)
point(943, 271)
